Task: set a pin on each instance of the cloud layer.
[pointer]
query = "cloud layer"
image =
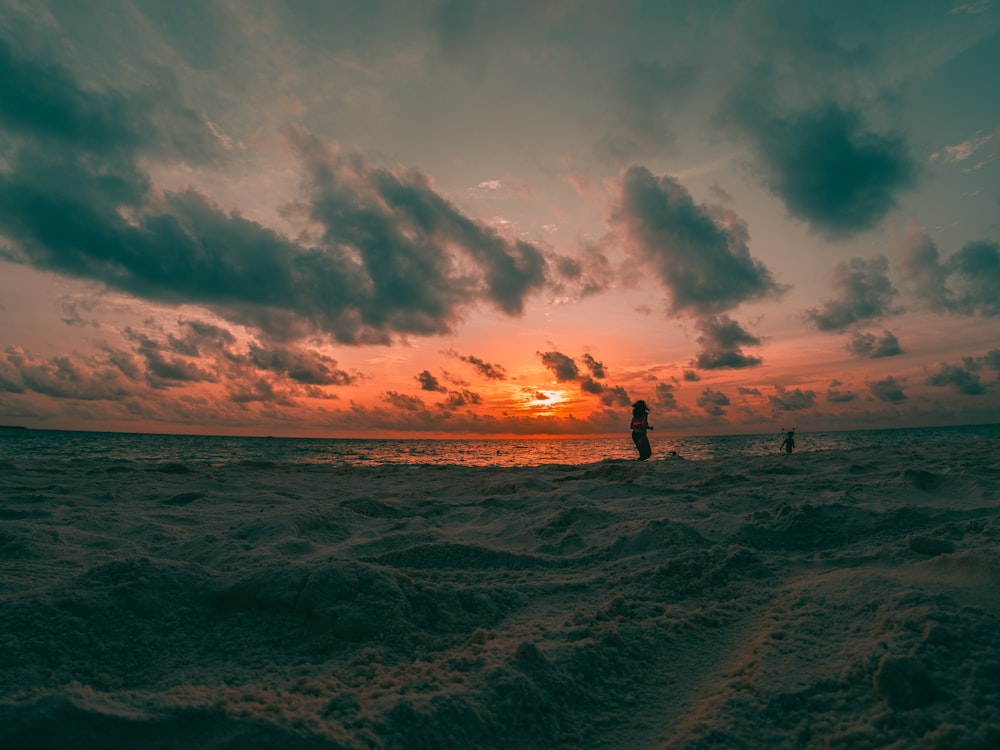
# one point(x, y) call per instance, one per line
point(390, 256)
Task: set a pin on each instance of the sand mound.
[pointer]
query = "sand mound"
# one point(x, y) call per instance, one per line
point(838, 599)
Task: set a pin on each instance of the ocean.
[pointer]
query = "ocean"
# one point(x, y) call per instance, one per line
point(56, 445)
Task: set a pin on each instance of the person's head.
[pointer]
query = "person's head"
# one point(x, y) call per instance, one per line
point(639, 408)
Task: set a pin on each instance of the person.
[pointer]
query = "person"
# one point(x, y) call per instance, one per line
point(639, 425)
point(788, 444)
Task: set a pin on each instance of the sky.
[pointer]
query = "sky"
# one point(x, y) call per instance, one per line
point(392, 218)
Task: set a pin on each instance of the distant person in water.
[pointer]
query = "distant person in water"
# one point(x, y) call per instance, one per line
point(788, 444)
point(639, 425)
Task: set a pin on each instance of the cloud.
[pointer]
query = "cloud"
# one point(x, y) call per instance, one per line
point(828, 168)
point(975, 7)
point(455, 399)
point(562, 366)
point(86, 378)
point(648, 93)
point(992, 359)
point(73, 317)
point(666, 399)
point(301, 365)
point(596, 368)
point(404, 402)
point(700, 254)
point(871, 347)
point(889, 389)
point(794, 400)
point(712, 402)
point(966, 283)
point(615, 396)
point(197, 362)
point(865, 291)
point(486, 369)
point(163, 368)
point(586, 275)
point(422, 259)
point(458, 399)
point(566, 370)
point(835, 396)
point(50, 116)
point(429, 383)
point(964, 380)
point(393, 257)
point(721, 341)
point(964, 150)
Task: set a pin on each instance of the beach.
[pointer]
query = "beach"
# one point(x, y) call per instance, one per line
point(842, 598)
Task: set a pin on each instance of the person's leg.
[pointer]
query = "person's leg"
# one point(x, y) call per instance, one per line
point(645, 449)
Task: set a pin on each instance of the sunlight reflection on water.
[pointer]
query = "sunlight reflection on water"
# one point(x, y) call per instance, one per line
point(94, 446)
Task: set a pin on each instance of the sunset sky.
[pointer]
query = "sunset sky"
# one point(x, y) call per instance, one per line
point(451, 217)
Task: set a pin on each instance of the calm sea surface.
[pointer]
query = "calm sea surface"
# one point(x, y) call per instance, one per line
point(58, 445)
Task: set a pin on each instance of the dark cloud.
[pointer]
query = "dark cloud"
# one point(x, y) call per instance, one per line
point(964, 380)
point(583, 276)
point(164, 368)
point(666, 399)
point(458, 399)
point(713, 402)
point(201, 363)
point(455, 398)
point(596, 368)
point(834, 396)
point(394, 256)
point(828, 168)
point(259, 391)
point(791, 400)
point(51, 115)
point(865, 294)
point(691, 376)
point(870, 346)
point(299, 364)
point(92, 378)
point(403, 402)
point(966, 283)
point(615, 396)
point(566, 370)
point(430, 383)
point(889, 389)
point(701, 255)
point(721, 341)
point(486, 369)
point(562, 366)
point(992, 359)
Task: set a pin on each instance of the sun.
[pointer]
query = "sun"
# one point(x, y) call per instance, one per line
point(545, 401)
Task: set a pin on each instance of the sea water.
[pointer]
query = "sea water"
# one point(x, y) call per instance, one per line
point(58, 445)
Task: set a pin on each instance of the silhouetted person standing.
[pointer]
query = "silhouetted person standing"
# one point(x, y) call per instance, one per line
point(639, 425)
point(788, 444)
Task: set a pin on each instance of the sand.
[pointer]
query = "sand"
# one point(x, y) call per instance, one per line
point(830, 599)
